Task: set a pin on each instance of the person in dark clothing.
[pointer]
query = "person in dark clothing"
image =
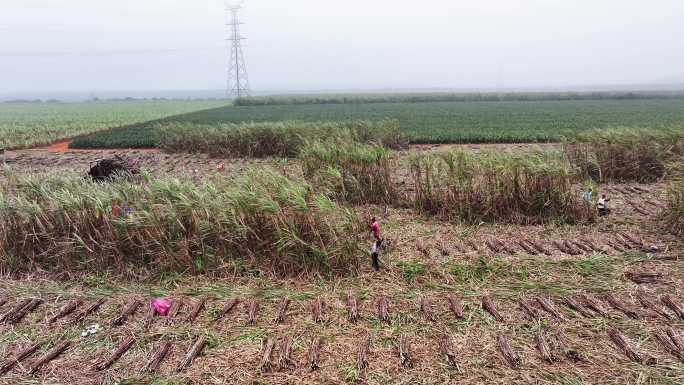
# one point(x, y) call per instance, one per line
point(375, 251)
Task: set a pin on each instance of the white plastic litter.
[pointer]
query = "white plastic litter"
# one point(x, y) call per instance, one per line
point(90, 330)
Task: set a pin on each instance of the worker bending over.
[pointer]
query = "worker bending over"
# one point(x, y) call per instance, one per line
point(602, 206)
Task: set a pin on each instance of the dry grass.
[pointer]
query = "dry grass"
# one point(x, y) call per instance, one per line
point(524, 188)
point(351, 172)
point(262, 219)
point(272, 139)
point(625, 155)
point(673, 215)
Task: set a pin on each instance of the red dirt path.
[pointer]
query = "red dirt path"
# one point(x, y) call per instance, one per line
point(63, 146)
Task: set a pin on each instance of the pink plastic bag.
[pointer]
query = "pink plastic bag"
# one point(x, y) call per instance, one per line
point(161, 306)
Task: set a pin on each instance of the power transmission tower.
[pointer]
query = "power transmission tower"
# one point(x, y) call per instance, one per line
point(238, 81)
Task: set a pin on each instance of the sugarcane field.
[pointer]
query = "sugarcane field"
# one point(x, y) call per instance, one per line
point(170, 266)
point(502, 203)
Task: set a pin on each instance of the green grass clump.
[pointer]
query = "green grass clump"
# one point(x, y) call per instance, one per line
point(412, 270)
point(263, 219)
point(525, 188)
point(276, 139)
point(624, 154)
point(357, 173)
point(485, 270)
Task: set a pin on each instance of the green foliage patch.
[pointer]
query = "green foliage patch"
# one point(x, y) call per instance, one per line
point(433, 122)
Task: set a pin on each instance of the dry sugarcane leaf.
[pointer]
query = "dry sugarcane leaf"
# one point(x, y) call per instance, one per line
point(512, 358)
point(592, 304)
point(539, 247)
point(55, 352)
point(23, 354)
point(127, 312)
point(644, 277)
point(492, 246)
point(89, 310)
point(529, 309)
point(266, 356)
point(362, 355)
point(617, 305)
point(560, 246)
point(191, 355)
point(626, 347)
point(65, 311)
point(18, 316)
point(196, 309)
point(285, 360)
point(456, 306)
point(317, 310)
point(175, 309)
point(489, 305)
point(668, 344)
point(252, 312)
point(427, 309)
point(528, 249)
point(543, 347)
point(576, 306)
point(670, 302)
point(157, 357)
point(383, 310)
point(118, 353)
point(227, 308)
point(282, 310)
point(314, 356)
point(646, 302)
point(550, 308)
point(675, 337)
point(405, 351)
point(13, 311)
point(352, 307)
point(448, 349)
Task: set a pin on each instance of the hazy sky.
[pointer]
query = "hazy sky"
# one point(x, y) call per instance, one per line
point(89, 45)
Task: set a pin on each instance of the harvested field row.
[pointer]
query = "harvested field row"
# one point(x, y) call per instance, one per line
point(451, 306)
point(278, 353)
point(616, 242)
point(626, 189)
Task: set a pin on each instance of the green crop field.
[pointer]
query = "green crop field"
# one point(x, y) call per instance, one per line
point(29, 124)
point(436, 122)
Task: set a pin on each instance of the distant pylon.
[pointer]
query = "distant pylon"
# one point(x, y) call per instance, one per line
point(238, 81)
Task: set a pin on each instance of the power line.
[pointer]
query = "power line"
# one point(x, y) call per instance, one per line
point(104, 52)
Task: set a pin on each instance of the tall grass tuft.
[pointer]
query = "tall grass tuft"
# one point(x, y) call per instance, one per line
point(357, 173)
point(624, 155)
point(673, 215)
point(523, 188)
point(272, 139)
point(262, 220)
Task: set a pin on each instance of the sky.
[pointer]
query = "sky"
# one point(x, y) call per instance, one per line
point(91, 45)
